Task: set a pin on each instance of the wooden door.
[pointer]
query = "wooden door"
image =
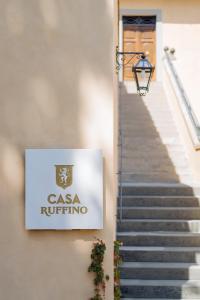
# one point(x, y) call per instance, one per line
point(139, 35)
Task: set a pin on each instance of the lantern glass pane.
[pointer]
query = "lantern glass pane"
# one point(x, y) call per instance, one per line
point(143, 63)
point(143, 78)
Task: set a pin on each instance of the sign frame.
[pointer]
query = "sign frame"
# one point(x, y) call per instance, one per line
point(63, 189)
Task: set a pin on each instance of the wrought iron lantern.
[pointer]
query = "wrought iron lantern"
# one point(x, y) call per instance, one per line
point(143, 72)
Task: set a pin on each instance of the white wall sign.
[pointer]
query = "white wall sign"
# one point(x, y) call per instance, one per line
point(64, 189)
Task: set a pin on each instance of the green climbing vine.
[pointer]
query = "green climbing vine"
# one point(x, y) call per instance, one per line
point(117, 263)
point(96, 267)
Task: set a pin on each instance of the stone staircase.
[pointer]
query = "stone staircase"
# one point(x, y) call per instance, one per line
point(152, 148)
point(161, 242)
point(160, 226)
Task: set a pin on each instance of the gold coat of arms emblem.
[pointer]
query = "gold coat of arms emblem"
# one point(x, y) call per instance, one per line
point(64, 175)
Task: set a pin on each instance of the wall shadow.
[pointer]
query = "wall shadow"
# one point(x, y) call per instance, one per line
point(149, 137)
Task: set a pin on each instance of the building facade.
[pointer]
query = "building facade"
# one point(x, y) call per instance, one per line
point(60, 90)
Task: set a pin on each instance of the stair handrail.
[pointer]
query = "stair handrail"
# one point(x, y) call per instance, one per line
point(120, 166)
point(185, 99)
point(120, 191)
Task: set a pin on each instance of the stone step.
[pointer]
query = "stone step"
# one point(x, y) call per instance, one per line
point(160, 254)
point(137, 127)
point(165, 157)
point(156, 115)
point(159, 189)
point(159, 225)
point(154, 299)
point(170, 239)
point(159, 164)
point(150, 177)
point(176, 289)
point(181, 213)
point(134, 165)
point(160, 271)
point(161, 176)
point(143, 120)
point(174, 148)
point(153, 166)
point(143, 170)
point(143, 123)
point(161, 143)
point(167, 162)
point(166, 154)
point(128, 134)
point(160, 201)
point(156, 109)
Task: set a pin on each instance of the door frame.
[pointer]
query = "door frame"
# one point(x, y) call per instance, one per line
point(159, 44)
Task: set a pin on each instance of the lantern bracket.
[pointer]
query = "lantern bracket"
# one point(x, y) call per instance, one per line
point(124, 58)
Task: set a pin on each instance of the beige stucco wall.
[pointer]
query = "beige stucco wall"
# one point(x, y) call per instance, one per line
point(184, 124)
point(56, 90)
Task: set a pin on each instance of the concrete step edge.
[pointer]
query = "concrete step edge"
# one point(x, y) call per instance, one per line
point(160, 248)
point(160, 265)
point(158, 185)
point(160, 233)
point(159, 208)
point(171, 283)
point(157, 221)
point(151, 197)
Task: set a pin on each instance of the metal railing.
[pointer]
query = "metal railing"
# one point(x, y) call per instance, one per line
point(120, 167)
point(120, 192)
point(192, 116)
